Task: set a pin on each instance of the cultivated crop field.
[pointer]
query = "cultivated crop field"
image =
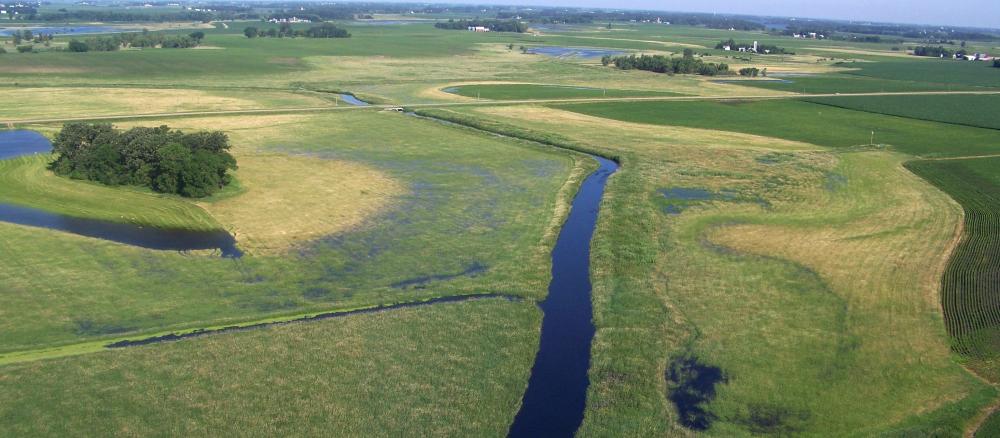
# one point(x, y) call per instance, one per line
point(772, 257)
point(969, 287)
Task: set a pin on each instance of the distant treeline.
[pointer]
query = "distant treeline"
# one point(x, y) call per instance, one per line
point(114, 42)
point(927, 33)
point(936, 52)
point(493, 25)
point(761, 48)
point(325, 30)
point(662, 64)
point(168, 161)
point(578, 16)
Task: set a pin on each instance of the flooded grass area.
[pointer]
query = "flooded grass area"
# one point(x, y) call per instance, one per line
point(468, 217)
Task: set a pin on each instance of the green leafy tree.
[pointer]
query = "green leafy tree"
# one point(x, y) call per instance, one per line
point(77, 46)
point(251, 32)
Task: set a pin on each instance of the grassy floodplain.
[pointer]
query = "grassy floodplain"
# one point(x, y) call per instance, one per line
point(458, 213)
point(765, 240)
point(783, 248)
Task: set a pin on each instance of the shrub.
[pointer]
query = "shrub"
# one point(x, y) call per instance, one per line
point(25, 49)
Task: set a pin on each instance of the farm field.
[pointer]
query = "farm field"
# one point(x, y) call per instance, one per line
point(540, 91)
point(772, 265)
point(808, 122)
point(969, 285)
point(978, 111)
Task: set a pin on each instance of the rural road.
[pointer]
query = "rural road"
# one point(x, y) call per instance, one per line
point(12, 122)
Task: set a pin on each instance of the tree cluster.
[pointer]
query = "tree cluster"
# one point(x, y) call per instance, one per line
point(688, 64)
point(750, 71)
point(26, 36)
point(493, 25)
point(167, 161)
point(114, 42)
point(996, 63)
point(285, 30)
point(936, 52)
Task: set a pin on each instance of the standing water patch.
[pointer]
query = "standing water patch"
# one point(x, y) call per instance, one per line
point(18, 143)
point(579, 52)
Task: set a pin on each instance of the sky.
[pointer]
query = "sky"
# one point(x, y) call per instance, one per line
point(968, 13)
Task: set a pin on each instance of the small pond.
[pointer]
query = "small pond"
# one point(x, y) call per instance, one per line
point(18, 143)
point(579, 52)
point(352, 100)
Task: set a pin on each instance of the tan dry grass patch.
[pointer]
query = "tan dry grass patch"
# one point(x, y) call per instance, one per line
point(293, 199)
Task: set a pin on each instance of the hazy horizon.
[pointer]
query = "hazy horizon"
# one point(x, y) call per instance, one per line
point(966, 13)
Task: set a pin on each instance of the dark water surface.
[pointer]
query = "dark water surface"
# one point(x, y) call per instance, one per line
point(557, 390)
point(18, 143)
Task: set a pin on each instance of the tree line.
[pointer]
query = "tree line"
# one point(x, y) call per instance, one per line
point(165, 160)
point(325, 30)
point(687, 64)
point(493, 25)
point(761, 48)
point(114, 42)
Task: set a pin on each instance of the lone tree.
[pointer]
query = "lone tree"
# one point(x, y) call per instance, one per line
point(251, 32)
point(77, 46)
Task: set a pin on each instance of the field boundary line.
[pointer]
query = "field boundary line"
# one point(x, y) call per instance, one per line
point(481, 103)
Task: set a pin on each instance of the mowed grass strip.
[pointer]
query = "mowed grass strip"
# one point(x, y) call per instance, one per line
point(970, 288)
point(807, 122)
point(451, 369)
point(26, 181)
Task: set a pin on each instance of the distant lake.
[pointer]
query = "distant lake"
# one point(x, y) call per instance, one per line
point(65, 30)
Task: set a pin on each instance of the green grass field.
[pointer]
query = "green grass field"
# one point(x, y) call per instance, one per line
point(808, 122)
point(539, 91)
point(969, 286)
